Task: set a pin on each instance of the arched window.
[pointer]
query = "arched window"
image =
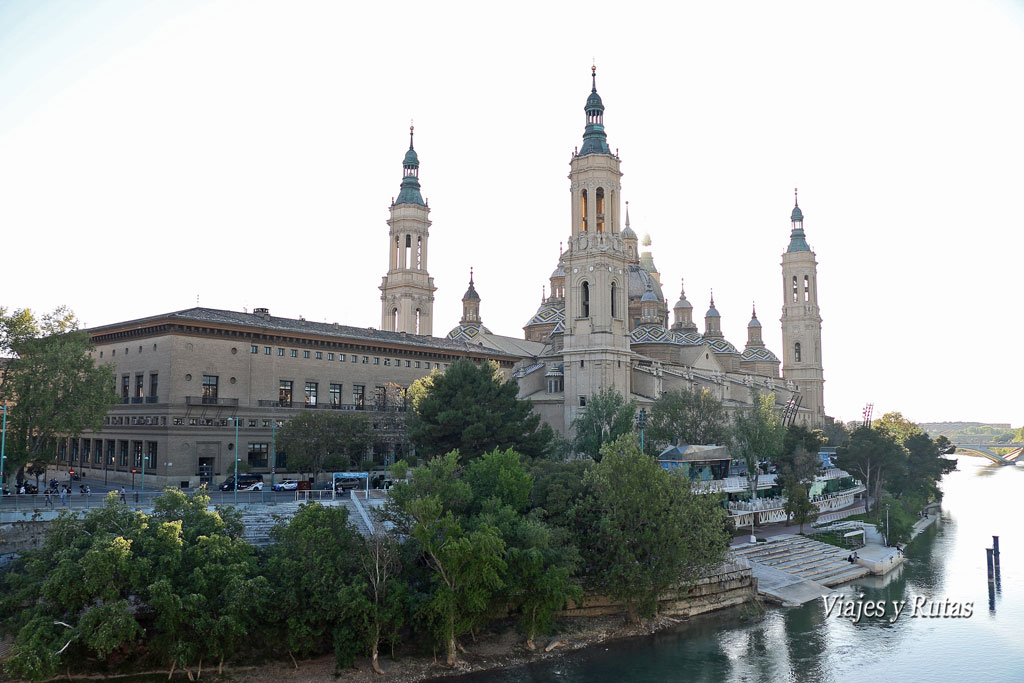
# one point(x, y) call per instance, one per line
point(397, 255)
point(613, 299)
point(417, 321)
point(796, 352)
point(583, 210)
point(796, 291)
point(807, 288)
point(585, 310)
point(419, 253)
point(600, 209)
point(394, 319)
point(408, 252)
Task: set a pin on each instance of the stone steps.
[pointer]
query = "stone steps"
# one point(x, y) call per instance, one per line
point(804, 558)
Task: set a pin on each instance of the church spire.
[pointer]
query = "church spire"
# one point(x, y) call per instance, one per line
point(595, 141)
point(797, 241)
point(410, 192)
point(470, 304)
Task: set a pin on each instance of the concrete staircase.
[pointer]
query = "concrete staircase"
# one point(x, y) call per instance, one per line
point(259, 521)
point(803, 557)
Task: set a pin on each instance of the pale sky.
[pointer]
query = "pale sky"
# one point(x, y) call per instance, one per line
point(246, 153)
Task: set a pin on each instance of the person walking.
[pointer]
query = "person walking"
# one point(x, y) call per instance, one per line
point(49, 499)
point(64, 496)
point(123, 499)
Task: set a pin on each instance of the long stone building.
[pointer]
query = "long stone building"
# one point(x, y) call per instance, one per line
point(186, 379)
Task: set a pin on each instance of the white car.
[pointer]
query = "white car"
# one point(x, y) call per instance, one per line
point(255, 486)
point(286, 485)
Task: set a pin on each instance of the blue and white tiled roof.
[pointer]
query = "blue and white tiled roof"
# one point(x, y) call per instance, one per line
point(467, 333)
point(759, 354)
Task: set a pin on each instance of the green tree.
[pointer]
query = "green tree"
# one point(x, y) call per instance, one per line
point(642, 530)
point(56, 388)
point(323, 440)
point(872, 455)
point(798, 461)
point(798, 505)
point(606, 417)
point(836, 434)
point(316, 555)
point(471, 409)
point(757, 436)
point(896, 427)
point(688, 417)
point(384, 593)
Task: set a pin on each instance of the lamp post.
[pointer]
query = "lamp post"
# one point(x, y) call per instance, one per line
point(886, 525)
point(235, 486)
point(3, 445)
point(273, 462)
point(641, 422)
point(144, 456)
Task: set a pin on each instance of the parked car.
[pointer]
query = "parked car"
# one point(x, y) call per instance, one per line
point(285, 485)
point(342, 484)
point(245, 481)
point(254, 486)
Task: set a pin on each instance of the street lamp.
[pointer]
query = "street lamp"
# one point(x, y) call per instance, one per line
point(3, 445)
point(886, 525)
point(641, 422)
point(143, 476)
point(273, 463)
point(235, 420)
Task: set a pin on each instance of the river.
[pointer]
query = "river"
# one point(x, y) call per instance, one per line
point(803, 644)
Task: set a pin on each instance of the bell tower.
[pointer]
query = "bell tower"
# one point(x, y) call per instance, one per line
point(407, 291)
point(801, 322)
point(596, 339)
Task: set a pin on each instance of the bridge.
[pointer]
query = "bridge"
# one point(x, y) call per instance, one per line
point(986, 450)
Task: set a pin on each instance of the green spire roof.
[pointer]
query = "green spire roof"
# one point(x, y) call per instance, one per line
point(797, 241)
point(595, 141)
point(410, 192)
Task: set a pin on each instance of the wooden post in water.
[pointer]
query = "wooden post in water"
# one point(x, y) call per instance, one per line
point(991, 568)
point(995, 552)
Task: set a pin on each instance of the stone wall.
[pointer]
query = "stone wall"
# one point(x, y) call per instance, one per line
point(731, 583)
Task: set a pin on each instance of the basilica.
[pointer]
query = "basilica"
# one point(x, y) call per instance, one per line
point(606, 320)
point(202, 389)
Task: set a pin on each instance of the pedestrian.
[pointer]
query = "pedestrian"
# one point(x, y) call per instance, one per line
point(49, 499)
point(123, 500)
point(64, 496)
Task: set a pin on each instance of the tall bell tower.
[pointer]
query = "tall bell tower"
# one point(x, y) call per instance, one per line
point(596, 339)
point(407, 291)
point(801, 322)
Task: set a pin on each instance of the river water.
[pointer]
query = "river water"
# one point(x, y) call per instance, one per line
point(804, 644)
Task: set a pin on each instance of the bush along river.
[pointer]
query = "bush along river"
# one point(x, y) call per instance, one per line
point(948, 629)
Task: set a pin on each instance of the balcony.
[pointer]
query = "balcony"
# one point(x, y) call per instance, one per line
point(366, 406)
point(210, 401)
point(276, 404)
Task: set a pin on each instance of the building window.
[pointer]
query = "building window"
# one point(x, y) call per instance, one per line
point(417, 321)
point(111, 447)
point(284, 393)
point(796, 352)
point(387, 361)
point(123, 461)
point(139, 385)
point(150, 454)
point(353, 358)
point(252, 424)
point(807, 288)
point(319, 355)
point(293, 353)
point(311, 394)
point(280, 351)
point(179, 420)
point(583, 401)
point(97, 451)
point(137, 453)
point(613, 300)
point(153, 384)
point(266, 350)
point(125, 384)
point(796, 291)
point(358, 395)
point(341, 357)
point(210, 388)
point(417, 364)
point(253, 348)
point(406, 363)
point(382, 397)
point(330, 356)
point(86, 449)
point(305, 354)
point(555, 385)
point(366, 359)
point(335, 395)
point(376, 360)
point(259, 454)
point(585, 308)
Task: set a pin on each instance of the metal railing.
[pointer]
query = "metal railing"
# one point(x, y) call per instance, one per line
point(210, 401)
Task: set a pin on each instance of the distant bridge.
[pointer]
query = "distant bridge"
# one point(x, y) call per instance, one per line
point(986, 450)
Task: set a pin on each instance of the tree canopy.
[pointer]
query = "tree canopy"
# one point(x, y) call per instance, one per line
point(688, 417)
point(606, 417)
point(51, 383)
point(642, 530)
point(469, 408)
point(757, 435)
point(315, 441)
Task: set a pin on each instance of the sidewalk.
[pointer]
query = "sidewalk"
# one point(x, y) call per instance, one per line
point(794, 529)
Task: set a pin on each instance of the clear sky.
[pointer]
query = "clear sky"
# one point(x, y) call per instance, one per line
point(245, 153)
